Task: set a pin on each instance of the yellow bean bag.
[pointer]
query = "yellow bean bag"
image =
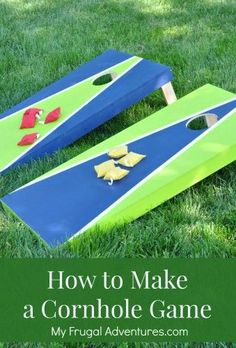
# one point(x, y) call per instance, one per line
point(102, 168)
point(116, 173)
point(131, 159)
point(118, 152)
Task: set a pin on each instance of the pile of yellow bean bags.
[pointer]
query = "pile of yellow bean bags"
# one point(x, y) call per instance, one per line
point(110, 169)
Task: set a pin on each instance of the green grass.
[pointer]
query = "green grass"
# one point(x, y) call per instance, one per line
point(43, 40)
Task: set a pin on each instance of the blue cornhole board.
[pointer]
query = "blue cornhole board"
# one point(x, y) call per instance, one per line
point(84, 105)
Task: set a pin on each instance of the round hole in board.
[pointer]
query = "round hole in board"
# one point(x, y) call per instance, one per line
point(104, 79)
point(203, 121)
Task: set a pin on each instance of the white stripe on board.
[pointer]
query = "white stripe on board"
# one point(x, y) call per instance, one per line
point(95, 220)
point(65, 120)
point(44, 177)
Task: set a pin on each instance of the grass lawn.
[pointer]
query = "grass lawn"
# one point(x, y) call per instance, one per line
point(43, 40)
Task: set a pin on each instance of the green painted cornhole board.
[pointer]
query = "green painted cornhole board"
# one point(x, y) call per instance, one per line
point(177, 157)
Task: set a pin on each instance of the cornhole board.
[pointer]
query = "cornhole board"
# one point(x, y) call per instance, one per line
point(84, 105)
point(70, 199)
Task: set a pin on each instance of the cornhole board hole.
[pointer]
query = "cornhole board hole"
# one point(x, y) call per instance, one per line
point(70, 199)
point(89, 96)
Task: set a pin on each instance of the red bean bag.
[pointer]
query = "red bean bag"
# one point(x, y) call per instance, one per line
point(28, 139)
point(53, 115)
point(29, 118)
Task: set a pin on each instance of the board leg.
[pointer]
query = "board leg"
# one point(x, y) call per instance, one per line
point(211, 120)
point(169, 93)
